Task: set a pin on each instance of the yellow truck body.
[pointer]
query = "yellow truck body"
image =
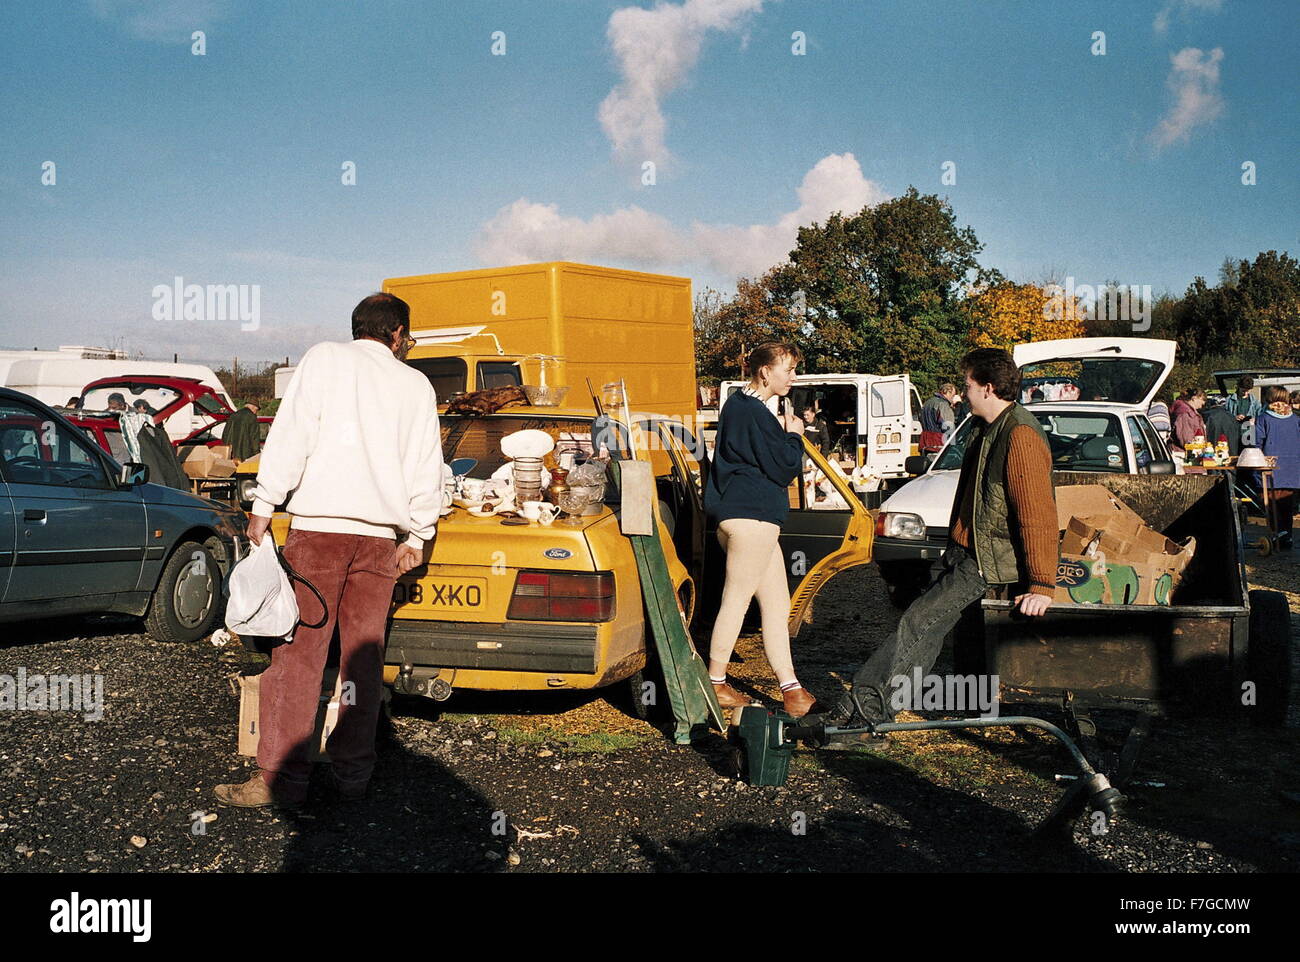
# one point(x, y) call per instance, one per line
point(602, 324)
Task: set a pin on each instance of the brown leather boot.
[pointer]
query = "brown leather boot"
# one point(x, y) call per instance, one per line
point(254, 793)
point(728, 697)
point(798, 702)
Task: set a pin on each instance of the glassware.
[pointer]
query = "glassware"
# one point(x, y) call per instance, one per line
point(573, 504)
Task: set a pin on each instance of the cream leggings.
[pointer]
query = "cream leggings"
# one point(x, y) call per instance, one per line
point(755, 569)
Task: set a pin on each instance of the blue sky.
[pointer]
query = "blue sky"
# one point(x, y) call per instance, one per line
point(226, 168)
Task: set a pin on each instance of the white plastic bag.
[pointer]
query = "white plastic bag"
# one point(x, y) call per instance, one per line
point(262, 601)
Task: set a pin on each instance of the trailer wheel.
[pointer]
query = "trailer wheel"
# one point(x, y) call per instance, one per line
point(1269, 661)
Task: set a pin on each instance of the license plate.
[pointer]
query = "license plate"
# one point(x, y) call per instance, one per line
point(442, 594)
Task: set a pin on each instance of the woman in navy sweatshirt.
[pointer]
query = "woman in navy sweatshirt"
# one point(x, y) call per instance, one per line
point(755, 457)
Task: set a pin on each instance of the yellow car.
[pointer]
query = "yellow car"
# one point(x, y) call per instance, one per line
point(531, 607)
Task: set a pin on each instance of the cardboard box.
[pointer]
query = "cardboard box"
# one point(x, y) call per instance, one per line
point(209, 462)
point(326, 715)
point(1109, 555)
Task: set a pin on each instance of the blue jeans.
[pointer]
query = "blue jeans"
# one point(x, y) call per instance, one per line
point(920, 634)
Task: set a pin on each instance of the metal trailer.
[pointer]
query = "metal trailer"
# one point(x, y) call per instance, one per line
point(1218, 649)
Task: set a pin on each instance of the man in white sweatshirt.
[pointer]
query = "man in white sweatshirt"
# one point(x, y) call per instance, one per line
point(355, 455)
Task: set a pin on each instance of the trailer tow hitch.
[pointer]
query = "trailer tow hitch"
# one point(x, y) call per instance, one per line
point(767, 739)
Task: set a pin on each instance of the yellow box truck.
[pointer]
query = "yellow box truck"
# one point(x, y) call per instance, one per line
point(483, 328)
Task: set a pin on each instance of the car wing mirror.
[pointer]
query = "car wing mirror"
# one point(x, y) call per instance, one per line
point(1162, 467)
point(916, 464)
point(132, 473)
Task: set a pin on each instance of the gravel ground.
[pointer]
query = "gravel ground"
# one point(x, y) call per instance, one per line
point(563, 782)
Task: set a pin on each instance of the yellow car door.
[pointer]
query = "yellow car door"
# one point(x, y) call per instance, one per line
point(828, 531)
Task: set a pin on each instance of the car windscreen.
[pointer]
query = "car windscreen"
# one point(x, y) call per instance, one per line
point(156, 396)
point(1078, 441)
point(480, 438)
point(1125, 380)
point(1084, 441)
point(950, 457)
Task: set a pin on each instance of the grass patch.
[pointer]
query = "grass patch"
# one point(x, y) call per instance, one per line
point(601, 742)
point(806, 761)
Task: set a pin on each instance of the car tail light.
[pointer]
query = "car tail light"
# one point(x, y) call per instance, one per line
point(562, 596)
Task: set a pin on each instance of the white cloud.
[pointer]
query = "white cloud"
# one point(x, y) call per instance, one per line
point(656, 51)
point(1183, 8)
point(1194, 82)
point(165, 21)
point(526, 232)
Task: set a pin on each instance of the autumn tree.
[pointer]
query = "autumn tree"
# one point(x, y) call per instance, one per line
point(1006, 314)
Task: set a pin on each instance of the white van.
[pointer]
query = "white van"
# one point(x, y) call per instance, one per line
point(873, 421)
point(54, 377)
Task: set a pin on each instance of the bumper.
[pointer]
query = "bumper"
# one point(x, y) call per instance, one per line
point(886, 550)
point(515, 646)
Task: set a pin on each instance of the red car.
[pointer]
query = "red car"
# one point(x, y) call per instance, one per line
point(190, 411)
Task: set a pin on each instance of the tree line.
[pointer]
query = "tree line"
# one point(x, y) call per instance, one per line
point(900, 287)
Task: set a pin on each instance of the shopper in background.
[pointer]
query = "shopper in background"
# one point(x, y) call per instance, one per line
point(815, 429)
point(938, 418)
point(1158, 415)
point(1278, 431)
point(1245, 409)
point(243, 433)
point(1186, 414)
point(1219, 423)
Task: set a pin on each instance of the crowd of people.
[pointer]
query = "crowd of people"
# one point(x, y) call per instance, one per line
point(1270, 422)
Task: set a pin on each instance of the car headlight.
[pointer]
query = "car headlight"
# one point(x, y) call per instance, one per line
point(246, 487)
point(900, 524)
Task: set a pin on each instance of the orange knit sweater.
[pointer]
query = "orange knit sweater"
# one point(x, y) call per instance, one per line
point(1029, 487)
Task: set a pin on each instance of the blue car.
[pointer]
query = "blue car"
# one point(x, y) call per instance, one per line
point(81, 534)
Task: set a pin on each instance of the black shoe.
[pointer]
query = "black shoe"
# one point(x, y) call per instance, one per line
point(837, 716)
point(856, 741)
point(1284, 541)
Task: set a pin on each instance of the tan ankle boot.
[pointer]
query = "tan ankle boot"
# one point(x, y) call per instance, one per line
point(728, 697)
point(798, 702)
point(254, 793)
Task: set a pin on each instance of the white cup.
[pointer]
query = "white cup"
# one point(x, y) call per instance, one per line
point(540, 511)
point(473, 489)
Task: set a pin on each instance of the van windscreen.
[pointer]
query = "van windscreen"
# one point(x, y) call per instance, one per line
point(446, 374)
